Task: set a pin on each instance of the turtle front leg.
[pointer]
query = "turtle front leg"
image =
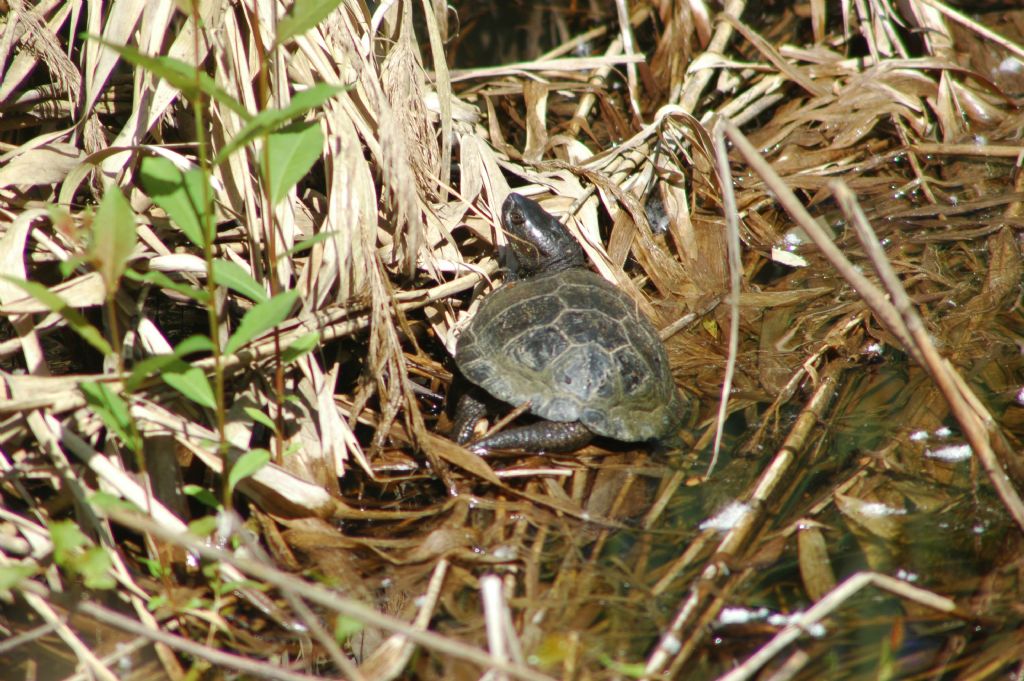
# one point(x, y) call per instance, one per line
point(544, 436)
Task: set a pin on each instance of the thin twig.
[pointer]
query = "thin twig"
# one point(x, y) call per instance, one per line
point(732, 220)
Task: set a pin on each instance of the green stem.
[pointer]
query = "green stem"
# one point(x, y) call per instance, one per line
point(270, 215)
point(115, 342)
point(209, 234)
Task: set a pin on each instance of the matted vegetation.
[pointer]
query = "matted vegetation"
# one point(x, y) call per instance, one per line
point(236, 258)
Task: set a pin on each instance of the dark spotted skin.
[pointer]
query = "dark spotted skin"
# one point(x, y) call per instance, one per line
point(568, 342)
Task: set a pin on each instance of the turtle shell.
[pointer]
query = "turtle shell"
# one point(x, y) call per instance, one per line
point(577, 349)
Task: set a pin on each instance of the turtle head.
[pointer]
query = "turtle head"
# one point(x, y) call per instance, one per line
point(539, 242)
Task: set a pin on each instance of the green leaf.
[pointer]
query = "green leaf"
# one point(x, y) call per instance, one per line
point(269, 120)
point(160, 279)
point(345, 628)
point(89, 333)
point(154, 567)
point(94, 565)
point(105, 501)
point(181, 75)
point(300, 347)
point(180, 194)
point(308, 243)
point(202, 495)
point(113, 237)
point(67, 539)
point(633, 670)
point(292, 151)
point(13, 574)
point(261, 318)
point(194, 343)
point(190, 381)
point(302, 16)
point(230, 274)
point(113, 411)
point(246, 465)
point(258, 416)
point(203, 527)
point(227, 586)
point(67, 267)
point(145, 368)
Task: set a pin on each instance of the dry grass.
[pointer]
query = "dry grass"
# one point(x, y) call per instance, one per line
point(372, 547)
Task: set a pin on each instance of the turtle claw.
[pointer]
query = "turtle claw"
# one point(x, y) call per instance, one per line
point(468, 412)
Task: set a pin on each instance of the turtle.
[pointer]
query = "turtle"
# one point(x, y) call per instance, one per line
point(567, 341)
